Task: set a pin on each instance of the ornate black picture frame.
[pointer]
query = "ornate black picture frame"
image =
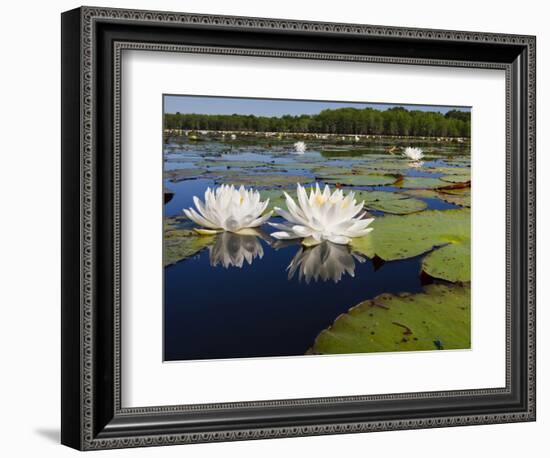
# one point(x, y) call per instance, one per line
point(92, 42)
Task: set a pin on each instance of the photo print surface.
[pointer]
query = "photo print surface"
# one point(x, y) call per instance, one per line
point(298, 227)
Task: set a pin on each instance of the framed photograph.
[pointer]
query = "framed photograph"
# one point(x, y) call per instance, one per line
point(277, 228)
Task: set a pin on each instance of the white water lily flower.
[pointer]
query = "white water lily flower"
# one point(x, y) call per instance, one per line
point(326, 261)
point(300, 147)
point(413, 153)
point(234, 249)
point(233, 137)
point(228, 209)
point(322, 216)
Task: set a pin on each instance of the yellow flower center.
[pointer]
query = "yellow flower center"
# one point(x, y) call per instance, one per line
point(320, 200)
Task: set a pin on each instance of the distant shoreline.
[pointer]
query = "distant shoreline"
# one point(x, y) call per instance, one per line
point(307, 135)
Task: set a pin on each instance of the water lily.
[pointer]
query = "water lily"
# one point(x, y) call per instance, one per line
point(322, 216)
point(326, 261)
point(414, 154)
point(300, 147)
point(227, 208)
point(233, 137)
point(234, 249)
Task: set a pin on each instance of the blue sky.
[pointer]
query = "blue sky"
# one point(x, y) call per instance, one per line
point(273, 107)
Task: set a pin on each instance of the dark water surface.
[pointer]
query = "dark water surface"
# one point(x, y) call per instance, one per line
point(217, 312)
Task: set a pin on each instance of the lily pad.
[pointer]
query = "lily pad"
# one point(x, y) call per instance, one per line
point(331, 170)
point(180, 244)
point(451, 262)
point(459, 161)
point(396, 165)
point(447, 233)
point(183, 174)
point(371, 179)
point(421, 183)
point(276, 197)
point(236, 164)
point(426, 193)
point(294, 165)
point(456, 178)
point(346, 152)
point(459, 196)
point(449, 170)
point(266, 180)
point(436, 319)
point(390, 202)
point(365, 245)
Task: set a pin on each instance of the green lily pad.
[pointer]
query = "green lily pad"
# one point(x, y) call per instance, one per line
point(395, 166)
point(447, 233)
point(331, 170)
point(449, 170)
point(183, 174)
point(436, 319)
point(390, 202)
point(180, 244)
point(294, 165)
point(276, 197)
point(426, 193)
point(460, 196)
point(236, 164)
point(372, 179)
point(459, 161)
point(346, 151)
point(456, 178)
point(266, 180)
point(420, 183)
point(177, 222)
point(365, 245)
point(451, 262)
point(183, 160)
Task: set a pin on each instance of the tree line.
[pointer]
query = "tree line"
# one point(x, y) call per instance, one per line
point(367, 121)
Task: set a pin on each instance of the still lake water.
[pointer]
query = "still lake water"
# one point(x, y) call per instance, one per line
point(215, 312)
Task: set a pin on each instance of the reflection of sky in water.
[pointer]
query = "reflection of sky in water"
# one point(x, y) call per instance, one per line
point(243, 298)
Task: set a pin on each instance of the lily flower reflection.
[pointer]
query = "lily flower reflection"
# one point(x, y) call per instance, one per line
point(327, 261)
point(234, 249)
